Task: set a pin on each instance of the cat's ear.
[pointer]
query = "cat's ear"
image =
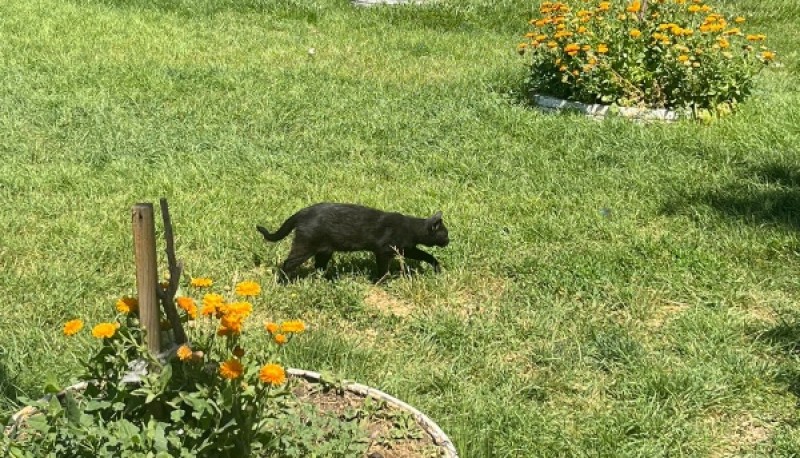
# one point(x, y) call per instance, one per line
point(435, 221)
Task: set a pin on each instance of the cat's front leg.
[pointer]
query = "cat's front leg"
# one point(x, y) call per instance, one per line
point(419, 255)
point(382, 261)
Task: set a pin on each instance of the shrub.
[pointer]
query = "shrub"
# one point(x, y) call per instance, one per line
point(657, 53)
point(214, 397)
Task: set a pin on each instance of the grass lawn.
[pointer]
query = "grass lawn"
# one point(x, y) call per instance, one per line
point(611, 288)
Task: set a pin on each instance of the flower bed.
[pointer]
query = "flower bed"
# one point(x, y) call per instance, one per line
point(221, 395)
point(657, 54)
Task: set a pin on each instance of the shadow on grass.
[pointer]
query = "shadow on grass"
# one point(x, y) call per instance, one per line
point(303, 10)
point(355, 265)
point(9, 390)
point(768, 194)
point(785, 335)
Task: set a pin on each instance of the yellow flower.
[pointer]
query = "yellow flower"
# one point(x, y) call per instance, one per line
point(634, 7)
point(201, 282)
point(582, 29)
point(562, 34)
point(248, 288)
point(239, 309)
point(683, 58)
point(127, 305)
point(694, 8)
point(768, 55)
point(210, 304)
point(759, 37)
point(231, 369)
point(552, 44)
point(271, 327)
point(586, 48)
point(602, 48)
point(72, 327)
point(105, 330)
point(272, 374)
point(604, 6)
point(295, 326)
point(541, 37)
point(635, 33)
point(733, 31)
point(739, 20)
point(184, 353)
point(723, 43)
point(280, 339)
point(572, 49)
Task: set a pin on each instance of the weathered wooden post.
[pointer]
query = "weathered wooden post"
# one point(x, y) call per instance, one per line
point(144, 243)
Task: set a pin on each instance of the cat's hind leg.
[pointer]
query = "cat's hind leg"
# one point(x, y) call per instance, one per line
point(299, 254)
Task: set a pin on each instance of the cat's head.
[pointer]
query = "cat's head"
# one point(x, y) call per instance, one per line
point(436, 234)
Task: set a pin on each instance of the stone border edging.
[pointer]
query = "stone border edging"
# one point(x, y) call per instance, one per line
point(439, 437)
point(599, 111)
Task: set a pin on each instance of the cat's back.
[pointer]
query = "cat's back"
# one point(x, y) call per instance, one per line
point(331, 212)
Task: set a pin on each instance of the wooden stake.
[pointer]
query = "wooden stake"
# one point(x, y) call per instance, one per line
point(144, 244)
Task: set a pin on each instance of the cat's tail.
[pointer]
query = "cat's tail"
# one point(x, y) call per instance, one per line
point(281, 233)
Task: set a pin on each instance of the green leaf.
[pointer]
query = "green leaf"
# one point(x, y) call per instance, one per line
point(73, 411)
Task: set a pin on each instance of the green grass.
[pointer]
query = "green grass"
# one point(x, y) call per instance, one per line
point(611, 288)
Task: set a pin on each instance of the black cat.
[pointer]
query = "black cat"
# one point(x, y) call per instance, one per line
point(324, 228)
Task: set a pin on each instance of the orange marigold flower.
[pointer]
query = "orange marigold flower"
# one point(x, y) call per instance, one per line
point(231, 369)
point(210, 304)
point(184, 353)
point(72, 327)
point(272, 374)
point(768, 55)
point(127, 305)
point(271, 327)
point(239, 309)
point(188, 305)
point(572, 49)
point(280, 339)
point(248, 288)
point(635, 33)
point(634, 7)
point(293, 326)
point(105, 330)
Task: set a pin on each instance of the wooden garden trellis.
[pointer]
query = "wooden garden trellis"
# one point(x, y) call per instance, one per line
point(150, 293)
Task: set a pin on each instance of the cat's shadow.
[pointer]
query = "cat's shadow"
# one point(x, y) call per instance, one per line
point(352, 265)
